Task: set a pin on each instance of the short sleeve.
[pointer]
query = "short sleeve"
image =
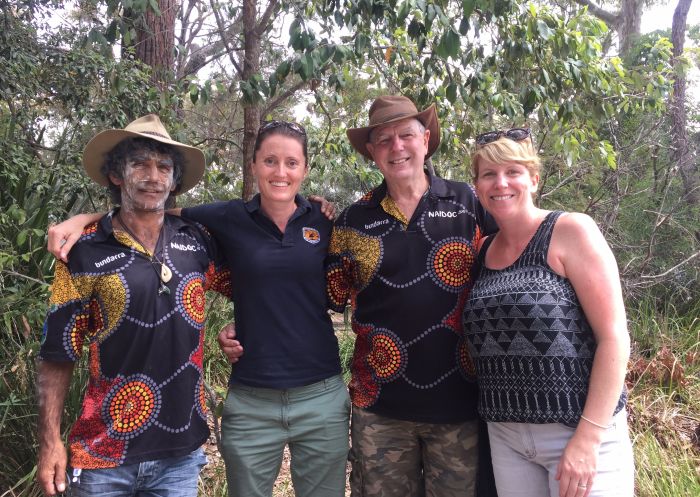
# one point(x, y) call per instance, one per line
point(68, 321)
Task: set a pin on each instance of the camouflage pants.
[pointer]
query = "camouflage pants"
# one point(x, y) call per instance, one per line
point(398, 458)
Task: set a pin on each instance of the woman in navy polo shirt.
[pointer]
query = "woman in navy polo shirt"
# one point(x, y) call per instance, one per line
point(286, 389)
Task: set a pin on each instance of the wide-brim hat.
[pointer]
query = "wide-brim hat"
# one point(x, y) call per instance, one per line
point(392, 108)
point(144, 127)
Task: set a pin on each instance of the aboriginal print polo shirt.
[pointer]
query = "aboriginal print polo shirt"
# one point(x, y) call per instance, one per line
point(145, 398)
point(407, 281)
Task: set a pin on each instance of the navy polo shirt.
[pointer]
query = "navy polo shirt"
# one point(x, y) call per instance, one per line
point(278, 291)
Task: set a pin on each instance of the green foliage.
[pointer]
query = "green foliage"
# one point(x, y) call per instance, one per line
point(598, 121)
point(490, 63)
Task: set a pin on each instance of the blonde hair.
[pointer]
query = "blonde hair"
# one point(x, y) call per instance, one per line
point(506, 150)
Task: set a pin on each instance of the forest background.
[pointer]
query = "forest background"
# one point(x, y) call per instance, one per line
point(608, 107)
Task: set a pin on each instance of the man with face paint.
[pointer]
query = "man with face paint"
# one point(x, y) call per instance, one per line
point(132, 294)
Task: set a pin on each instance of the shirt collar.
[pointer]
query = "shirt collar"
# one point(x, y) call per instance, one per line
point(437, 189)
point(105, 228)
point(253, 205)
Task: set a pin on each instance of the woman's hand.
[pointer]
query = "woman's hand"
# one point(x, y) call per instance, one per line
point(579, 462)
point(63, 236)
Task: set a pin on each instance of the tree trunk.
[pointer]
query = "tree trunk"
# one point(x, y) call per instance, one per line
point(627, 21)
point(681, 156)
point(155, 42)
point(251, 112)
point(630, 24)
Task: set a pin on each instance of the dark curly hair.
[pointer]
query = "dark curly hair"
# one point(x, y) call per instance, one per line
point(115, 162)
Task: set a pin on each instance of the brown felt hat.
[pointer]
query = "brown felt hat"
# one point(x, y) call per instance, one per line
point(392, 108)
point(144, 127)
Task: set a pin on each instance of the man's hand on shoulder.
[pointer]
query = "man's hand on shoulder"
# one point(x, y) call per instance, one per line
point(63, 236)
point(327, 208)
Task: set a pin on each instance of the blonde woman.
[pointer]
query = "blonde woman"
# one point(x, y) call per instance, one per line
point(546, 328)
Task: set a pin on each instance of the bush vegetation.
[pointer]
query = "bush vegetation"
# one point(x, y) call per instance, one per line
point(57, 89)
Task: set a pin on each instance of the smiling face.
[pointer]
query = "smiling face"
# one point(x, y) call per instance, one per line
point(279, 167)
point(505, 189)
point(399, 149)
point(146, 182)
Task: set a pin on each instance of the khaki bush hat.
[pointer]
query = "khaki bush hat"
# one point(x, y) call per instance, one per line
point(145, 127)
point(392, 108)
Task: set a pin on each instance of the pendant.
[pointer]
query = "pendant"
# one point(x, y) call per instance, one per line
point(163, 290)
point(165, 273)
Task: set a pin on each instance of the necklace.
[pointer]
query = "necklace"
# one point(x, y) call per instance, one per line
point(165, 274)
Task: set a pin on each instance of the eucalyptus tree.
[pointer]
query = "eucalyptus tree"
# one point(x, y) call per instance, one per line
point(683, 159)
point(626, 20)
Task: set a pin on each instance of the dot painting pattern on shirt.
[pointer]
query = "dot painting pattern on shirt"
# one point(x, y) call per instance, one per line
point(131, 406)
point(407, 281)
point(366, 250)
point(449, 263)
point(145, 398)
point(191, 300)
point(387, 356)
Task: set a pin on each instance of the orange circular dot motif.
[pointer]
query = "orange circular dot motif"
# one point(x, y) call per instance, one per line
point(451, 263)
point(387, 355)
point(131, 407)
point(464, 360)
point(193, 300)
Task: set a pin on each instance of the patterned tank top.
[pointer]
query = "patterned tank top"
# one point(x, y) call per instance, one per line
point(530, 341)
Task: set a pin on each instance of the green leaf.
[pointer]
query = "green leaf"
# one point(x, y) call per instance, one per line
point(451, 93)
point(403, 11)
point(94, 36)
point(361, 43)
point(415, 28)
point(430, 13)
point(468, 7)
point(22, 237)
point(464, 26)
point(464, 93)
point(544, 30)
point(283, 69)
point(449, 44)
point(306, 68)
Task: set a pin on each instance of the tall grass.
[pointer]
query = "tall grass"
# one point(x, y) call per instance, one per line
point(664, 402)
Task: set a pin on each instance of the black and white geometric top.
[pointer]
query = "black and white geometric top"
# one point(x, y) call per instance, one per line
point(530, 341)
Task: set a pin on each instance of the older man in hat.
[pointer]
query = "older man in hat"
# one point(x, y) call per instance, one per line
point(132, 294)
point(403, 255)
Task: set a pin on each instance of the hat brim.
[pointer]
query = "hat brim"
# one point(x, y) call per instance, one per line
point(97, 148)
point(360, 136)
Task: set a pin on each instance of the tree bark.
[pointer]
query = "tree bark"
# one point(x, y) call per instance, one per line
point(630, 24)
point(155, 42)
point(681, 156)
point(251, 112)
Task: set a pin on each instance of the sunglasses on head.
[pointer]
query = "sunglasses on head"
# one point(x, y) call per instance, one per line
point(268, 125)
point(515, 134)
